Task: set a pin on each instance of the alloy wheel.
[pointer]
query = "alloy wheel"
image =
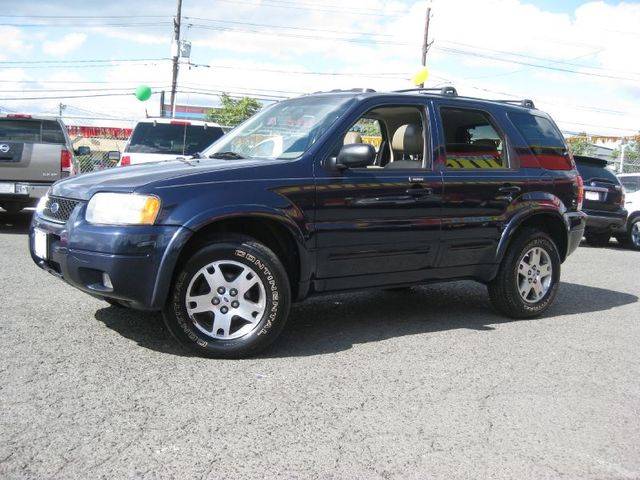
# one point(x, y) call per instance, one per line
point(534, 275)
point(226, 299)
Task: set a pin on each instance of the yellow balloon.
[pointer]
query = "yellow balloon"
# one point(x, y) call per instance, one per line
point(421, 76)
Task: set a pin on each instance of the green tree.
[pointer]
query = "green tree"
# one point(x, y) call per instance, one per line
point(580, 145)
point(631, 157)
point(234, 111)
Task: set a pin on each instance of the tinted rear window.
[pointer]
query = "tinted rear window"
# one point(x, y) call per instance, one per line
point(31, 131)
point(544, 139)
point(591, 171)
point(172, 139)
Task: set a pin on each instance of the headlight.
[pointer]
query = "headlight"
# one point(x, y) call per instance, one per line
point(122, 209)
point(42, 203)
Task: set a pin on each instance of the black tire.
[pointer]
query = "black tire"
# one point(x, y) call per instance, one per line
point(632, 237)
point(503, 289)
point(12, 207)
point(246, 252)
point(597, 239)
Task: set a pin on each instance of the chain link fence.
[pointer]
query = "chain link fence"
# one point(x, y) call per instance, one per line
point(97, 148)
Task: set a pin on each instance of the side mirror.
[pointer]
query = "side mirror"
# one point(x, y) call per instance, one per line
point(354, 155)
point(113, 156)
point(83, 150)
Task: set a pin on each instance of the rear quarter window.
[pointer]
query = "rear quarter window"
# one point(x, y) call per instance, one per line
point(544, 140)
point(631, 184)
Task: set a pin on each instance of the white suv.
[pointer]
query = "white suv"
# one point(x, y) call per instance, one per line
point(631, 183)
point(156, 139)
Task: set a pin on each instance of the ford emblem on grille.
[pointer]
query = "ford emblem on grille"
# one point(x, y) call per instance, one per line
point(4, 148)
point(54, 207)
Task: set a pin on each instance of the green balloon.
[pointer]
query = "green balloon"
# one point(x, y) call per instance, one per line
point(143, 93)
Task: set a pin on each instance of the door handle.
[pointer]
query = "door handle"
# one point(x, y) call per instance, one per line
point(509, 189)
point(419, 191)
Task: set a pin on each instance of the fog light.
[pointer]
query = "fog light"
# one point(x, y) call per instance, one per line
point(106, 281)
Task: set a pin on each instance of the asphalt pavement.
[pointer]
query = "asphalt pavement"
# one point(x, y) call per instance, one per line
point(419, 384)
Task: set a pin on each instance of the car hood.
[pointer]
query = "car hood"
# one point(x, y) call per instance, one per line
point(130, 178)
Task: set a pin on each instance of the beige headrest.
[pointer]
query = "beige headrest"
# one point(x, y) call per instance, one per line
point(408, 139)
point(352, 137)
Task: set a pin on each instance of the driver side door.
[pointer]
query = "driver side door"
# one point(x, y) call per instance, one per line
point(380, 225)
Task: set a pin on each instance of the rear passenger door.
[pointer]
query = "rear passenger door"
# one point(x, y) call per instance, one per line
point(481, 180)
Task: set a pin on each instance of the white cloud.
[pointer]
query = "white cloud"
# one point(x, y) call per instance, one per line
point(65, 45)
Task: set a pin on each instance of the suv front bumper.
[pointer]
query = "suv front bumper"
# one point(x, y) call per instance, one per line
point(133, 257)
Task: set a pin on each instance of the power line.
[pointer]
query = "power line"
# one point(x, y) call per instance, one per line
point(383, 75)
point(287, 27)
point(313, 7)
point(293, 35)
point(545, 67)
point(4, 62)
point(85, 16)
point(522, 55)
point(85, 26)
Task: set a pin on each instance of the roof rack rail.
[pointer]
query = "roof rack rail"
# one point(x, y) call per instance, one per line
point(526, 103)
point(448, 91)
point(338, 90)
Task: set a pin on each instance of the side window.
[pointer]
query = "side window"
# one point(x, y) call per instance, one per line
point(368, 130)
point(396, 133)
point(544, 140)
point(51, 132)
point(471, 140)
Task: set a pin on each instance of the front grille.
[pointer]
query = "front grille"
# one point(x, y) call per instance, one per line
point(59, 209)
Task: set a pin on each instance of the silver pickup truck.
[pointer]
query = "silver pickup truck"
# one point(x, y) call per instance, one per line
point(34, 153)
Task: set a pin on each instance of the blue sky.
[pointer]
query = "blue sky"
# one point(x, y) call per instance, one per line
point(575, 59)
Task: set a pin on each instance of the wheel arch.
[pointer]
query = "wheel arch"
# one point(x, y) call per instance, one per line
point(278, 233)
point(549, 221)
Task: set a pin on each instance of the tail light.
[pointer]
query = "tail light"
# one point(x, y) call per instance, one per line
point(124, 161)
point(580, 192)
point(65, 161)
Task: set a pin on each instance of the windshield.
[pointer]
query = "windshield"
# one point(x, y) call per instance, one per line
point(285, 130)
point(172, 139)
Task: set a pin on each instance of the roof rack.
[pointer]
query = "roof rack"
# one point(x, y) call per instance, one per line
point(448, 91)
point(526, 103)
point(339, 90)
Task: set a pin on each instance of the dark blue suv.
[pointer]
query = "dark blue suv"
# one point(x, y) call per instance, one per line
point(323, 193)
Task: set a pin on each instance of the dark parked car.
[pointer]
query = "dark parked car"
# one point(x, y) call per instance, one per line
point(291, 204)
point(603, 200)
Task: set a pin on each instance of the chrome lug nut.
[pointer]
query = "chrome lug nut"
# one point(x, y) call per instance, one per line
point(215, 300)
point(224, 309)
point(221, 290)
point(233, 292)
point(235, 304)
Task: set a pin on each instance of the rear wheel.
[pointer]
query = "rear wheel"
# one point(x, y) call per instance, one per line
point(230, 299)
point(527, 280)
point(597, 239)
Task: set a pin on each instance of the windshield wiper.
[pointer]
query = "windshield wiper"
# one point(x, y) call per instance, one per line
point(226, 155)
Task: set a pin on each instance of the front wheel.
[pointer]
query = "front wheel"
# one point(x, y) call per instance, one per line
point(528, 277)
point(230, 299)
point(632, 238)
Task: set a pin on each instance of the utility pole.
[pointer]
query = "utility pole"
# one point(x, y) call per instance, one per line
point(61, 108)
point(623, 145)
point(425, 42)
point(176, 57)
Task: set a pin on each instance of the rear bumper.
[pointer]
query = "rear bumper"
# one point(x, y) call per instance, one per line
point(576, 224)
point(26, 192)
point(603, 221)
point(133, 257)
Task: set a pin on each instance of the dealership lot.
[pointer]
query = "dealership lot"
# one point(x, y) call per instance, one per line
point(416, 384)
